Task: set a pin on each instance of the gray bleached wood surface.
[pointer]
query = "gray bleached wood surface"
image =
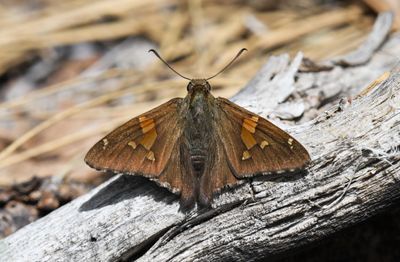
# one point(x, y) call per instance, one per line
point(354, 174)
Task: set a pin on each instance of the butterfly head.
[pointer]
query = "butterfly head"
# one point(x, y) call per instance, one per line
point(198, 85)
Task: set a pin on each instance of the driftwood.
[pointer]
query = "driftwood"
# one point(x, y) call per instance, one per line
point(354, 174)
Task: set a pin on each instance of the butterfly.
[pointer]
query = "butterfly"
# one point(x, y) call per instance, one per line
point(197, 145)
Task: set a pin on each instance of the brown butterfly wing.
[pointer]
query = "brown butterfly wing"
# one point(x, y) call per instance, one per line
point(217, 174)
point(254, 145)
point(178, 175)
point(143, 145)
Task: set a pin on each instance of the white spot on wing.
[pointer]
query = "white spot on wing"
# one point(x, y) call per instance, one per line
point(105, 143)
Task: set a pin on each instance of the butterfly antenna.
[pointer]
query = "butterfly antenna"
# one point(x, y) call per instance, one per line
point(165, 62)
point(230, 63)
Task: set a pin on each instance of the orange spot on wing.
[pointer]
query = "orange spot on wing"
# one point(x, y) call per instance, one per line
point(132, 144)
point(150, 156)
point(146, 124)
point(248, 128)
point(263, 144)
point(247, 138)
point(250, 124)
point(246, 155)
point(149, 138)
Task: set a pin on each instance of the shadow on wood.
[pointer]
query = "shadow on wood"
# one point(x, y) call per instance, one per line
point(127, 187)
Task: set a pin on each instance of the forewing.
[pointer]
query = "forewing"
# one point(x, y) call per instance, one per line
point(254, 145)
point(142, 145)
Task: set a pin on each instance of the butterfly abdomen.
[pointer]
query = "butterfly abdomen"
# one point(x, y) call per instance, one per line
point(197, 159)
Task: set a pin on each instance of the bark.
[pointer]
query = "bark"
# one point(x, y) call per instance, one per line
point(354, 174)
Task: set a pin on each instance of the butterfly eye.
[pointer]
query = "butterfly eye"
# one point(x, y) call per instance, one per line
point(208, 86)
point(190, 87)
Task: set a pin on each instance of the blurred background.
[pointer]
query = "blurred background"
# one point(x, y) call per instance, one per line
point(71, 71)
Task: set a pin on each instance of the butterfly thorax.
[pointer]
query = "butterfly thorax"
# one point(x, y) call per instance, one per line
point(198, 128)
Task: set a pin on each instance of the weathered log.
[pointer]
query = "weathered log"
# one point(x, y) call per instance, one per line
point(354, 174)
